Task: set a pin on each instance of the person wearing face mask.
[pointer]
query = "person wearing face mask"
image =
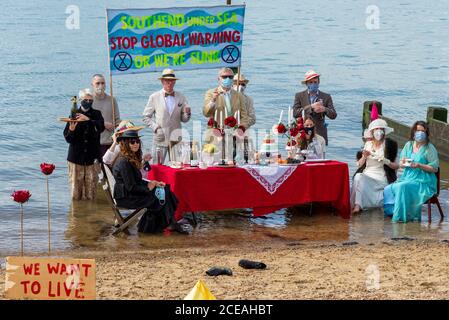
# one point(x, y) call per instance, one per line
point(240, 86)
point(103, 103)
point(225, 100)
point(83, 136)
point(314, 145)
point(419, 158)
point(314, 103)
point(376, 168)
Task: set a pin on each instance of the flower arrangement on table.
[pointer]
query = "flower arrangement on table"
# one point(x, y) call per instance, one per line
point(223, 126)
point(293, 130)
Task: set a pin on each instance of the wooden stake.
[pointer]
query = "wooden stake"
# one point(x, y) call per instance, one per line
point(21, 229)
point(49, 218)
point(110, 74)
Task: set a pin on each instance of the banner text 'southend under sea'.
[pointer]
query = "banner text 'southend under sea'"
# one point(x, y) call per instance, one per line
point(147, 40)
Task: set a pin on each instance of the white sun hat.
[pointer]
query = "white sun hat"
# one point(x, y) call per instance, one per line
point(380, 124)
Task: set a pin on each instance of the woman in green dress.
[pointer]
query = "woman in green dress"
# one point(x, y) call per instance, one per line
point(419, 158)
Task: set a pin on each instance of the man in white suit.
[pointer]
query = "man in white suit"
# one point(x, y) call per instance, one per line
point(164, 112)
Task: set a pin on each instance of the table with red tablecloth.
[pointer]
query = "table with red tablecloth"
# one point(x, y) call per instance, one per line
point(218, 188)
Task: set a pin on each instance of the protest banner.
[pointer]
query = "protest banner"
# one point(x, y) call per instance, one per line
point(50, 279)
point(148, 40)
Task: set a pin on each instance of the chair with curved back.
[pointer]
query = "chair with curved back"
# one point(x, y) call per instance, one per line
point(434, 199)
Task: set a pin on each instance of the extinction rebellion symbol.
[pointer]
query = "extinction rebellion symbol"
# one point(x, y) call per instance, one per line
point(230, 54)
point(123, 61)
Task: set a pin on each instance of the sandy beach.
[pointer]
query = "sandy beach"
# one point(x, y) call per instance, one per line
point(407, 270)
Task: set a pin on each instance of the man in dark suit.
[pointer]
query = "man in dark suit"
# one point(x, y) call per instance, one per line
point(314, 103)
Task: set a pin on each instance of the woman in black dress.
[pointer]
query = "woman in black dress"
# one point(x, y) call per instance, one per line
point(131, 191)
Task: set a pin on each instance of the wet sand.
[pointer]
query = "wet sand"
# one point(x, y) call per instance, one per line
point(408, 269)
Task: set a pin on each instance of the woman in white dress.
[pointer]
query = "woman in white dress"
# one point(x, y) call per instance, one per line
point(376, 168)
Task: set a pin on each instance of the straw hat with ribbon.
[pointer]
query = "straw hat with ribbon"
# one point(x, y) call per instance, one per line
point(168, 74)
point(242, 79)
point(126, 125)
point(129, 134)
point(309, 76)
point(380, 124)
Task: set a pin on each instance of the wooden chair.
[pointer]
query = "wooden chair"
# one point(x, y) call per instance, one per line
point(122, 222)
point(434, 199)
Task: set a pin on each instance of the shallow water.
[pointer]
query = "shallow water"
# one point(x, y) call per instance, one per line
point(404, 64)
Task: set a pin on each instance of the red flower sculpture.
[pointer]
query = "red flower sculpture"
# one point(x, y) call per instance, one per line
point(230, 121)
point(21, 196)
point(47, 168)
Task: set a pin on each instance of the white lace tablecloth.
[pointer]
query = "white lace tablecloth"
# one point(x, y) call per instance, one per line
point(270, 177)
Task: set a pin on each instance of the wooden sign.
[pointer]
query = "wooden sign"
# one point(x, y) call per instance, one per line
point(50, 279)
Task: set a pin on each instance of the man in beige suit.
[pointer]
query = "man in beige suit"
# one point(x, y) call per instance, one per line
point(163, 114)
point(225, 100)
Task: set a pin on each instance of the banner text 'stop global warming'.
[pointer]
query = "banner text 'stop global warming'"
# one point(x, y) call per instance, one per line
point(147, 40)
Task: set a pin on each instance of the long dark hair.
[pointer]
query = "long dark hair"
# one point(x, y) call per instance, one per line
point(135, 158)
point(303, 143)
point(414, 128)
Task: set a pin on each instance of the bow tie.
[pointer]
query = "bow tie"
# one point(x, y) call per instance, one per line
point(170, 94)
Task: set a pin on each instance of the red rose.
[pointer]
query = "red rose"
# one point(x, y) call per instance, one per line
point(21, 196)
point(300, 126)
point(300, 120)
point(303, 135)
point(230, 122)
point(294, 131)
point(211, 123)
point(47, 168)
point(281, 128)
point(291, 143)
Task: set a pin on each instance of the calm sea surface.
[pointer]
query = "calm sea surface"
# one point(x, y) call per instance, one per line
point(404, 64)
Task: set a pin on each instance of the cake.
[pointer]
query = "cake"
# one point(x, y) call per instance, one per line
point(269, 144)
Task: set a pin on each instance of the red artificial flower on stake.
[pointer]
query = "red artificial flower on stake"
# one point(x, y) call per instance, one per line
point(21, 196)
point(47, 169)
point(230, 121)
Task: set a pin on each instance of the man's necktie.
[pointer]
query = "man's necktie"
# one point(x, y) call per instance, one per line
point(170, 94)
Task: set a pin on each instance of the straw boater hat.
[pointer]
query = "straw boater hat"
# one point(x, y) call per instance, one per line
point(126, 125)
point(242, 78)
point(130, 134)
point(168, 74)
point(309, 76)
point(380, 124)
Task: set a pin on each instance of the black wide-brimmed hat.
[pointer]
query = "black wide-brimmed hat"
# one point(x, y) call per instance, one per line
point(129, 134)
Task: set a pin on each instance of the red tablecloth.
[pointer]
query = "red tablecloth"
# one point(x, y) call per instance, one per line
point(227, 188)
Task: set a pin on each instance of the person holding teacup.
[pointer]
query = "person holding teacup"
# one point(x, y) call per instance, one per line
point(376, 168)
point(419, 158)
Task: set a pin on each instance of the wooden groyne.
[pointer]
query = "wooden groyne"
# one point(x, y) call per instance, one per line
point(436, 118)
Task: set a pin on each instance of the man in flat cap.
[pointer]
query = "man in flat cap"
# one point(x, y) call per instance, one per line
point(163, 114)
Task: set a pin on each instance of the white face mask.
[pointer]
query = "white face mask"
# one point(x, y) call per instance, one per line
point(378, 134)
